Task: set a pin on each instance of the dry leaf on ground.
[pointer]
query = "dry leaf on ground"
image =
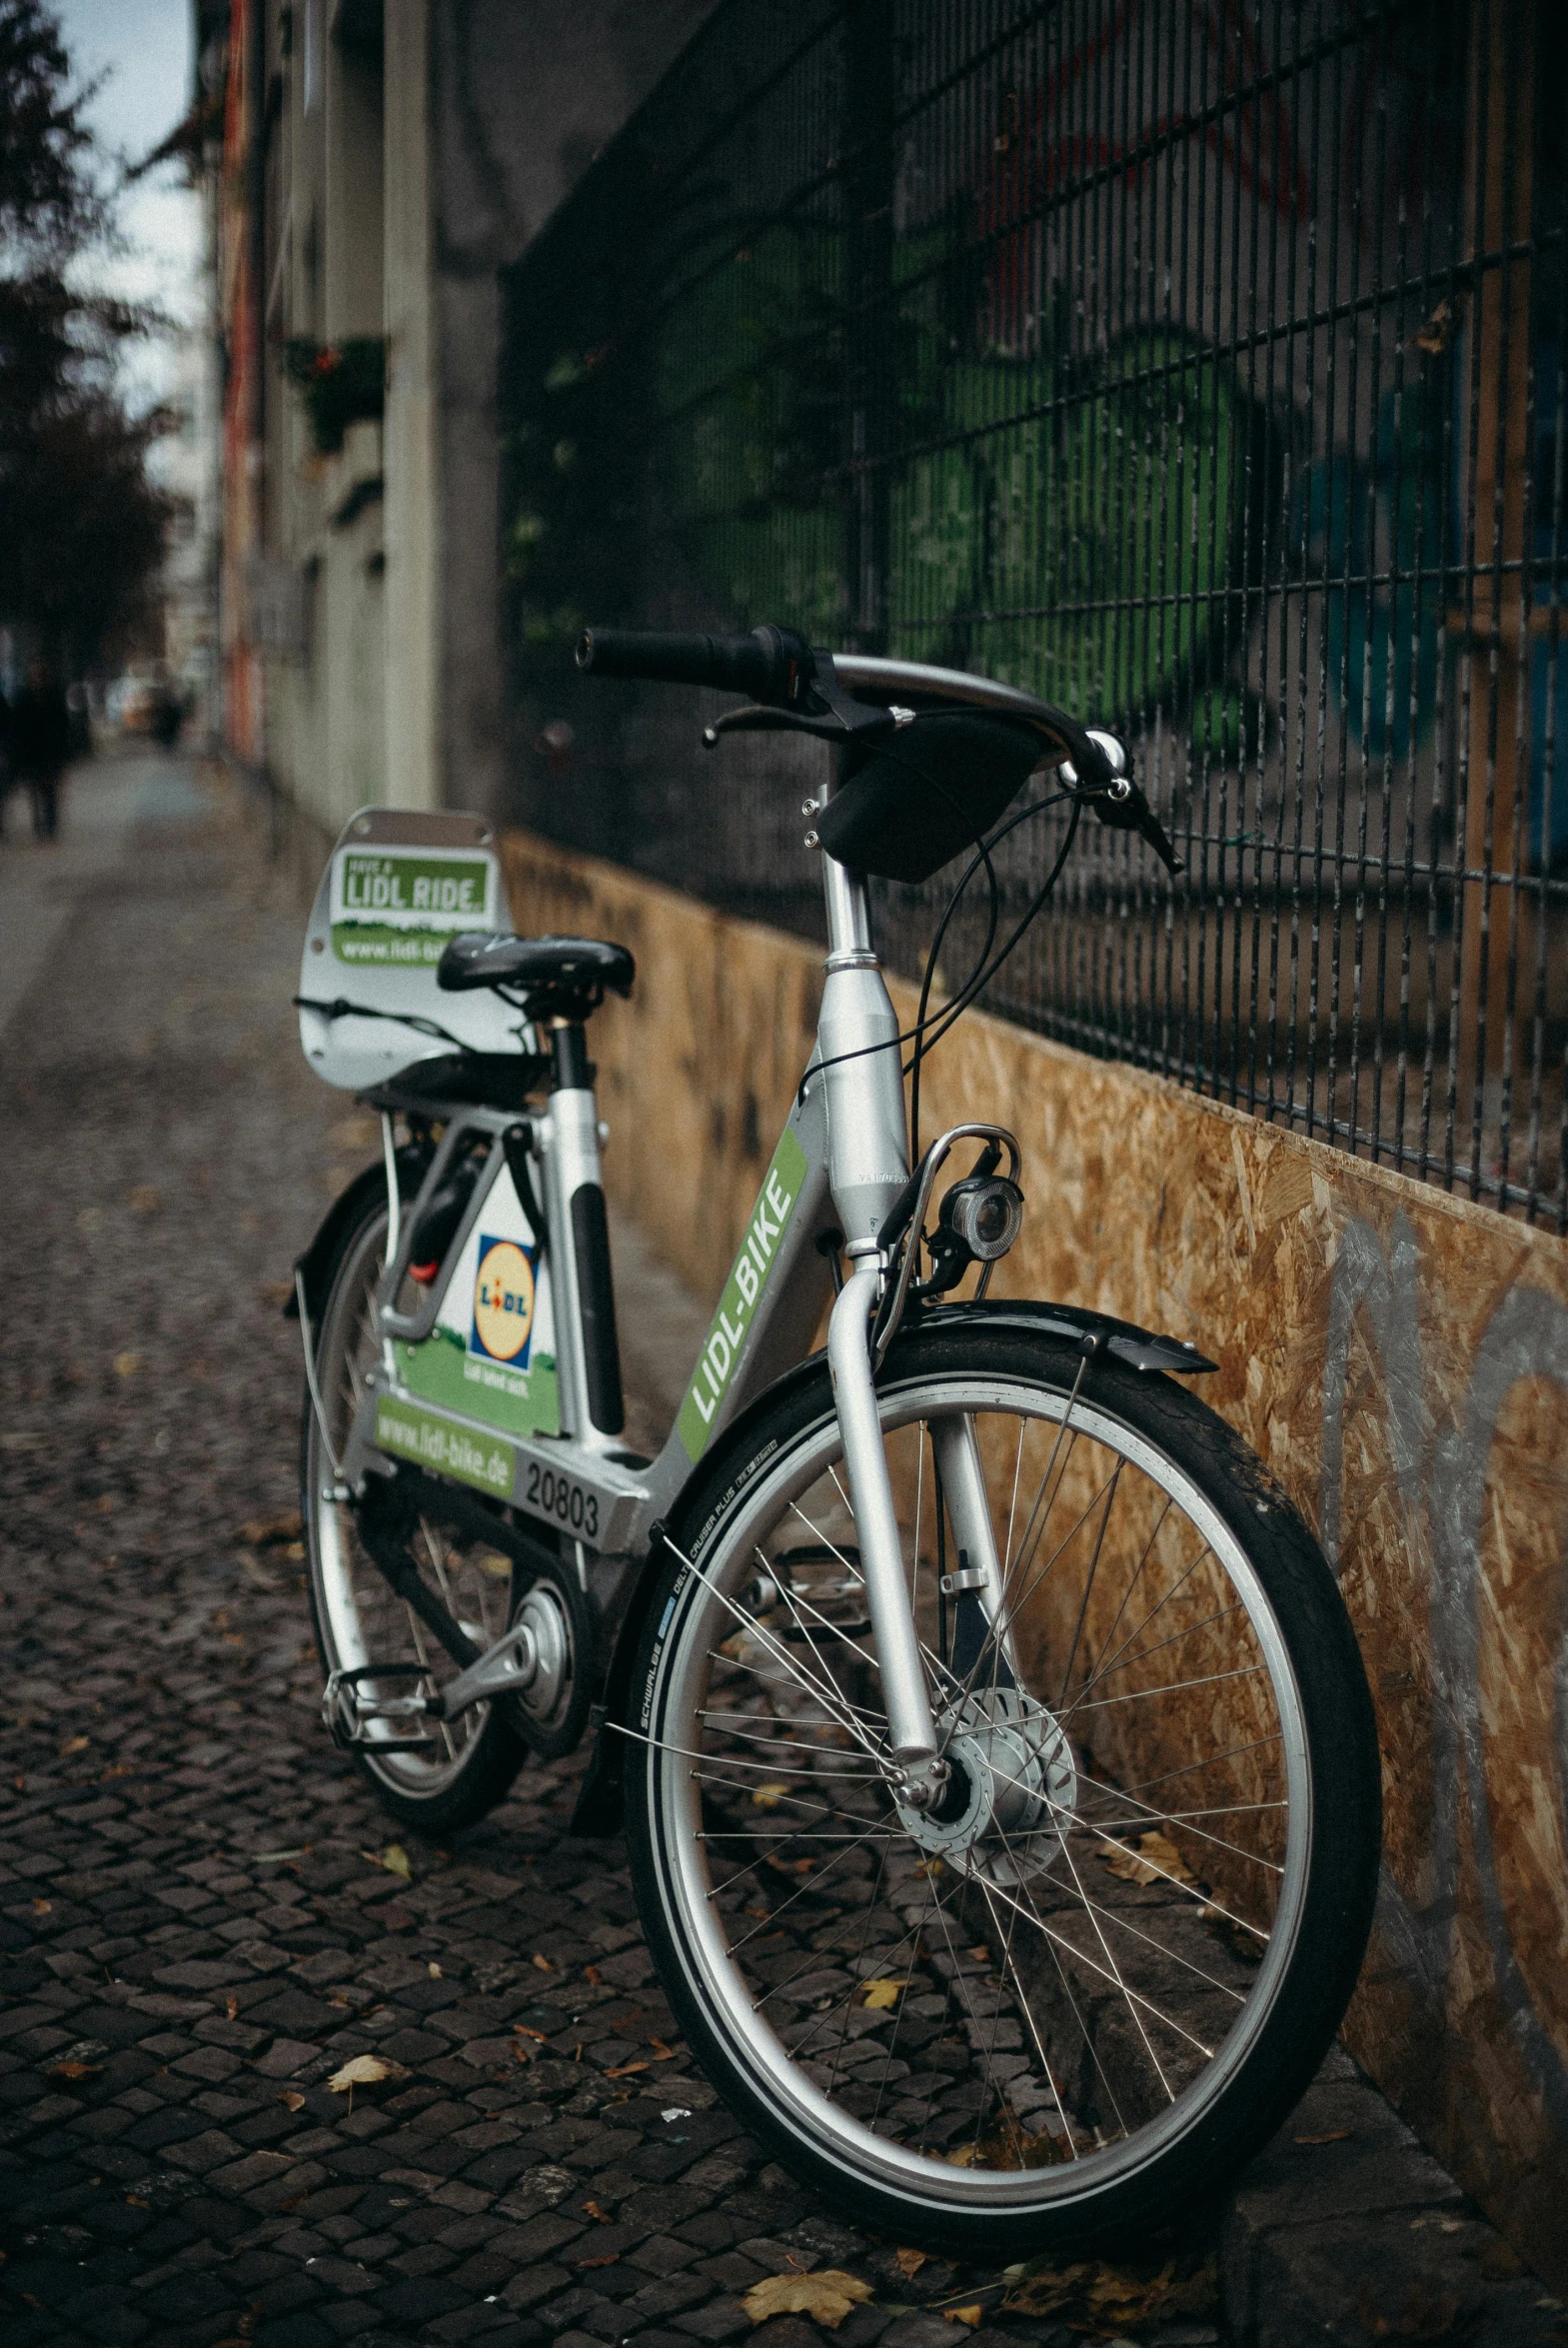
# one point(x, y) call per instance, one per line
point(366, 2070)
point(394, 1858)
point(292, 2100)
point(882, 1996)
point(964, 2315)
point(1094, 2296)
point(541, 1964)
point(827, 2297)
point(1155, 1860)
point(70, 2070)
point(768, 1797)
point(265, 1533)
point(908, 2262)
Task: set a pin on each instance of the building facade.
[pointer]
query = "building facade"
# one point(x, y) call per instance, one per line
point(382, 161)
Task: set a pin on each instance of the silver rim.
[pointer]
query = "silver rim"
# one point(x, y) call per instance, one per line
point(362, 1620)
point(1036, 2007)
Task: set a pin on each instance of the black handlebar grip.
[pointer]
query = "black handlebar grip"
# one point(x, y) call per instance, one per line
point(771, 663)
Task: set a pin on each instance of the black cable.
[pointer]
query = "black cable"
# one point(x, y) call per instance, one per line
point(958, 1004)
point(342, 1008)
point(954, 1010)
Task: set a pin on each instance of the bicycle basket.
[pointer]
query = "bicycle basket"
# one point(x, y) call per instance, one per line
point(914, 801)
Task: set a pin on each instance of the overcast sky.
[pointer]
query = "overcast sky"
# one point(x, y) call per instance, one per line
point(142, 48)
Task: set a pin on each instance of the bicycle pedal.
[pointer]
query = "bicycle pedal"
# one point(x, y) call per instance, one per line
point(348, 1714)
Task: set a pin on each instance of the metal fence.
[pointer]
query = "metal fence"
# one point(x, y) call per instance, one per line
point(1198, 366)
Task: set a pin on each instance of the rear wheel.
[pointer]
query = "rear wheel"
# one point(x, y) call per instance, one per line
point(1085, 1988)
point(469, 1763)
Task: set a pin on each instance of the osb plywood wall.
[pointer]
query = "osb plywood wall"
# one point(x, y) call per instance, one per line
point(1399, 1359)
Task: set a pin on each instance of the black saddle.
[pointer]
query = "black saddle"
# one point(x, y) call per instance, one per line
point(551, 978)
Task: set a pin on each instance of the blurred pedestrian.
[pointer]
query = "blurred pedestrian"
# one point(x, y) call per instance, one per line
point(41, 743)
point(168, 713)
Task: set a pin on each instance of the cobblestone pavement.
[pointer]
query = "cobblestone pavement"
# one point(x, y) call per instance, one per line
point(198, 1923)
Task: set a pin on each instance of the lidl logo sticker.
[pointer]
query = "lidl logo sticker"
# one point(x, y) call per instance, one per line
point(504, 1302)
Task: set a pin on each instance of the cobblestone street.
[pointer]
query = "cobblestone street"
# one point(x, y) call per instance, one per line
point(201, 1917)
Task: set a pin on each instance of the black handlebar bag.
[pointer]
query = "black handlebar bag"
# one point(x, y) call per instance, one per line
point(909, 804)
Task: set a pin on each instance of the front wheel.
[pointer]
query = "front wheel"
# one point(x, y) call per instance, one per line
point(1082, 1990)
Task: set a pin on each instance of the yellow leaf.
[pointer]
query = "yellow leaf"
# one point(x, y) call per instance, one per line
point(76, 1744)
point(964, 2315)
point(293, 2098)
point(541, 1964)
point(435, 1971)
point(882, 1996)
point(1155, 1860)
point(43, 1907)
point(908, 2262)
point(366, 2070)
point(964, 2157)
point(827, 2297)
point(768, 1797)
point(981, 1953)
point(394, 1858)
point(127, 1365)
point(930, 1867)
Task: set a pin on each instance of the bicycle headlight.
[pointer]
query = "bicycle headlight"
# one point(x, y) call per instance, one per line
point(985, 1213)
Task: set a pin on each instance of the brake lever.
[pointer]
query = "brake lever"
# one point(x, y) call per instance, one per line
point(1119, 803)
point(1125, 809)
point(852, 719)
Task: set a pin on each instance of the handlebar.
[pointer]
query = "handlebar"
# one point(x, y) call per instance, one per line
point(813, 693)
point(771, 663)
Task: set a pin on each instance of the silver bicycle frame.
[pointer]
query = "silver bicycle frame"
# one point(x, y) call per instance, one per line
point(839, 1165)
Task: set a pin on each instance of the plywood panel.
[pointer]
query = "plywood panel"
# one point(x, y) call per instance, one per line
point(1399, 1360)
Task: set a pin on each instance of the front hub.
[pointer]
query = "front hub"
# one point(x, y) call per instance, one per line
point(1011, 1792)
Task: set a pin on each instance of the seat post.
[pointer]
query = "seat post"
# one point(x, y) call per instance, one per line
point(568, 1056)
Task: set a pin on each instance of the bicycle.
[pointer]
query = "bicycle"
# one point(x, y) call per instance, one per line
point(995, 1754)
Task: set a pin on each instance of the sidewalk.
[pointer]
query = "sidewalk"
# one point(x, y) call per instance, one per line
point(196, 1921)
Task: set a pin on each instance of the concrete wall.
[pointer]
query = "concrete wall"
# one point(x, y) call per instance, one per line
point(1399, 1357)
point(522, 101)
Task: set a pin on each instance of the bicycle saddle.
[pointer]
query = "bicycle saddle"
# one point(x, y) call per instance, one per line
point(553, 977)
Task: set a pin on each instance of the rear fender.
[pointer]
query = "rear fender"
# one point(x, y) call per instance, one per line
point(315, 1267)
point(599, 1803)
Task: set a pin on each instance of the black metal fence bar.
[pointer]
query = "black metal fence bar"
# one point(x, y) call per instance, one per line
point(1199, 367)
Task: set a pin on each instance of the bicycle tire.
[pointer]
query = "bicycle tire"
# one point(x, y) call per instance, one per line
point(354, 1615)
point(1041, 2152)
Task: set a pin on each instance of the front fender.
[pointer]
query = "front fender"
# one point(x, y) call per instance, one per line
point(598, 1805)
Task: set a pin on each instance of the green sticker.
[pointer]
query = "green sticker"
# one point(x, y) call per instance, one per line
point(412, 1433)
point(775, 1202)
point(525, 1401)
point(402, 908)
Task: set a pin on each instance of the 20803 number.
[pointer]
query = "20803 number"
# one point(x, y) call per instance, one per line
point(557, 1497)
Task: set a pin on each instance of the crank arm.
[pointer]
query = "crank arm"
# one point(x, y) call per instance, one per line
point(910, 1729)
point(504, 1669)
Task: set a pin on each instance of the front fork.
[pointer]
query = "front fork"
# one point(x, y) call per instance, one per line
point(914, 1746)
